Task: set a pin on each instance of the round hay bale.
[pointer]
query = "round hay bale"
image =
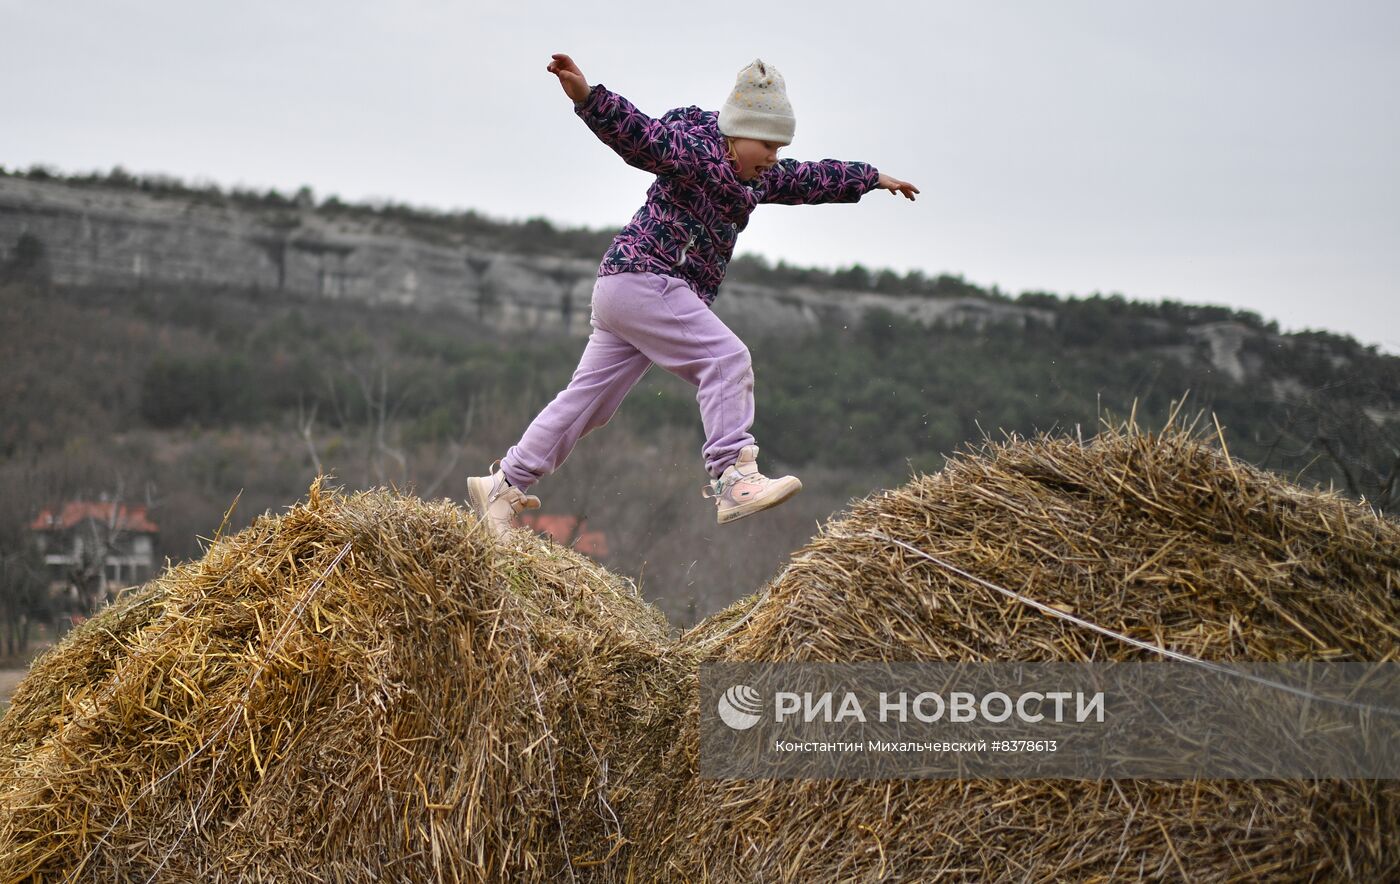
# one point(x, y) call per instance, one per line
point(363, 688)
point(88, 656)
point(1159, 536)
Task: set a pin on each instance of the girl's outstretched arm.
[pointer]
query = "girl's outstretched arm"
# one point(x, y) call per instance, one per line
point(641, 141)
point(796, 183)
point(828, 181)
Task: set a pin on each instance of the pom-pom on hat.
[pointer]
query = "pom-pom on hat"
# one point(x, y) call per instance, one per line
point(758, 107)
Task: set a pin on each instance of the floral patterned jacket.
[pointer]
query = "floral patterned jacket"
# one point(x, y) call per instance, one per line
point(697, 205)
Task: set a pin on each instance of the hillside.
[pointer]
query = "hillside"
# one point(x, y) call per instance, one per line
point(147, 350)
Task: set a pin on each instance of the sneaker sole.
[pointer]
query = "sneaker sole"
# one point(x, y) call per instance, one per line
point(476, 498)
point(758, 506)
point(477, 492)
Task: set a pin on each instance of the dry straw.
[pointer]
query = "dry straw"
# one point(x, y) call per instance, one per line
point(365, 688)
point(368, 687)
point(1158, 536)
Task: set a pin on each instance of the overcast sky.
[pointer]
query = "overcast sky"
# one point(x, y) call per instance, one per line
point(1222, 152)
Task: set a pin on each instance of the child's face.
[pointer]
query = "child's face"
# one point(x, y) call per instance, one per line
point(755, 157)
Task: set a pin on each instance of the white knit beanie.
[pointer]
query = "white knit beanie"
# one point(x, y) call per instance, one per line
point(758, 107)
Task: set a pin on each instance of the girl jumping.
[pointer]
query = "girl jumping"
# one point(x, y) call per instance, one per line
point(651, 302)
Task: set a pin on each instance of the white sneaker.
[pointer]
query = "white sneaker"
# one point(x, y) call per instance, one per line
point(741, 490)
point(497, 502)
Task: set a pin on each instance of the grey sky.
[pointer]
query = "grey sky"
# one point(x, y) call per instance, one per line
point(1224, 152)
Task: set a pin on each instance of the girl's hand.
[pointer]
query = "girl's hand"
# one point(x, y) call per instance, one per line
point(570, 77)
point(895, 186)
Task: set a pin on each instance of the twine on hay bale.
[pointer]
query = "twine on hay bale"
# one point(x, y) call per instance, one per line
point(370, 687)
point(362, 688)
point(1161, 537)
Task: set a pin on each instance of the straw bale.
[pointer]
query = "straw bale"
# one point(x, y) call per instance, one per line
point(363, 688)
point(59, 678)
point(1160, 536)
point(370, 688)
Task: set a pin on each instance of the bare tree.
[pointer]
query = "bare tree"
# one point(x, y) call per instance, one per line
point(1362, 444)
point(97, 539)
point(454, 450)
point(381, 438)
point(23, 597)
point(306, 424)
point(374, 386)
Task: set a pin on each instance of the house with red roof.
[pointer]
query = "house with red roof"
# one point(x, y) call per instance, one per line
point(107, 543)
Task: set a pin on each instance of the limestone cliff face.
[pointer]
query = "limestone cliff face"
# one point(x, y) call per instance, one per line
point(100, 236)
point(126, 238)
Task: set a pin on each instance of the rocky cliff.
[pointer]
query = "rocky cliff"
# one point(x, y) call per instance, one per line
point(115, 237)
point(103, 236)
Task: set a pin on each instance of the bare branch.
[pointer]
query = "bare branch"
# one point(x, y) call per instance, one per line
point(306, 422)
point(455, 448)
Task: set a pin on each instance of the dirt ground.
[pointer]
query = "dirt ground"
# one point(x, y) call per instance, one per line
point(8, 679)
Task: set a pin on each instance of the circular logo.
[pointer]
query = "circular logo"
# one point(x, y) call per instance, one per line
point(741, 707)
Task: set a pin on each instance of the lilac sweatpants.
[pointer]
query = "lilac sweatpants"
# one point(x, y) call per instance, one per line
point(639, 319)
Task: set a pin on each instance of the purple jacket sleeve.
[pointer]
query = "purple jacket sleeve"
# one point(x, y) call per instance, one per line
point(640, 140)
point(826, 181)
